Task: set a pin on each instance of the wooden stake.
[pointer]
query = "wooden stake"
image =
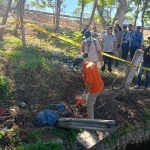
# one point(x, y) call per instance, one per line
point(131, 70)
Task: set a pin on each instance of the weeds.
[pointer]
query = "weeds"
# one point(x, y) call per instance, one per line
point(37, 143)
point(4, 89)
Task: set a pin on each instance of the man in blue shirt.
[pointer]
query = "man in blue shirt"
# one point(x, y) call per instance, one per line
point(125, 44)
point(136, 41)
point(85, 29)
point(129, 37)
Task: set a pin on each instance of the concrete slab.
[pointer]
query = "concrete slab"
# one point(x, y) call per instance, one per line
point(88, 139)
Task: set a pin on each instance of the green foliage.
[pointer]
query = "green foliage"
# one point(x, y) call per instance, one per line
point(4, 89)
point(107, 141)
point(146, 115)
point(45, 3)
point(39, 145)
point(75, 36)
point(85, 1)
point(68, 135)
point(36, 143)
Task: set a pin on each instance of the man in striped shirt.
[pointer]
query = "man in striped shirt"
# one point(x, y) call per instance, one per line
point(119, 39)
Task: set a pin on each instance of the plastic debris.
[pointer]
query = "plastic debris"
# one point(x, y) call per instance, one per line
point(2, 110)
point(46, 117)
point(59, 107)
point(79, 100)
point(67, 114)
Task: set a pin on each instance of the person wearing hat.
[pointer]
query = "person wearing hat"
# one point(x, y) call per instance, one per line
point(85, 29)
point(94, 83)
point(91, 49)
point(145, 63)
point(129, 37)
point(136, 41)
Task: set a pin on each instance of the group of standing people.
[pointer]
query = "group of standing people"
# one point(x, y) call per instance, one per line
point(116, 42)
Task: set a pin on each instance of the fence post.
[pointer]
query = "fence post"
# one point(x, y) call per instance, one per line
point(131, 70)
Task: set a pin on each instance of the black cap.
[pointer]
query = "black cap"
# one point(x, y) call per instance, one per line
point(130, 25)
point(124, 27)
point(87, 34)
point(77, 61)
point(138, 27)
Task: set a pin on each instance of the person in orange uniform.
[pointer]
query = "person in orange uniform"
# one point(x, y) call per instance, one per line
point(94, 83)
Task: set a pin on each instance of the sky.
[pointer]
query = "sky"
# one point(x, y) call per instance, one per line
point(70, 7)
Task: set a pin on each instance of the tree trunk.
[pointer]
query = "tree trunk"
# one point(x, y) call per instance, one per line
point(122, 12)
point(81, 15)
point(17, 25)
point(57, 14)
point(143, 13)
point(21, 6)
point(54, 16)
point(136, 16)
point(102, 17)
point(93, 11)
point(5, 18)
point(113, 20)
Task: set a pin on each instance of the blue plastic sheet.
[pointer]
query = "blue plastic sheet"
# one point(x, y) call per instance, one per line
point(47, 117)
point(60, 107)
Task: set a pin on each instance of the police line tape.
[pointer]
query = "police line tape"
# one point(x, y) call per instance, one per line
point(52, 34)
point(73, 42)
point(126, 61)
point(4, 26)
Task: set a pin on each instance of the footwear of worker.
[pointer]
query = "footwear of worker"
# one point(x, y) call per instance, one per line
point(136, 87)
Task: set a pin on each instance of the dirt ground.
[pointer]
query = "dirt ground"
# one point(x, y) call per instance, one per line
point(126, 109)
point(35, 90)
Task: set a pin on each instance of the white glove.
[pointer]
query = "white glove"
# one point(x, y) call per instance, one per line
point(84, 96)
point(102, 63)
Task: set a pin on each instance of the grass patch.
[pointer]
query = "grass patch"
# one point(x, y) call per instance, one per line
point(4, 89)
point(41, 139)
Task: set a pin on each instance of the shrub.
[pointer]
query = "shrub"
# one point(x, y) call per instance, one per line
point(4, 89)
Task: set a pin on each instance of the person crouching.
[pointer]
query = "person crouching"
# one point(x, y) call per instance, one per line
point(93, 82)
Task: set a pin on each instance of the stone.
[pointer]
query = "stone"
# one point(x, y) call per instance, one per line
point(57, 140)
point(23, 105)
point(88, 139)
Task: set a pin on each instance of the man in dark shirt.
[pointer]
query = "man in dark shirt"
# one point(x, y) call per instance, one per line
point(145, 63)
point(125, 44)
point(85, 29)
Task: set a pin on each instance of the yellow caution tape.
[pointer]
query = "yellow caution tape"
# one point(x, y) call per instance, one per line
point(78, 44)
point(126, 61)
point(72, 42)
point(52, 34)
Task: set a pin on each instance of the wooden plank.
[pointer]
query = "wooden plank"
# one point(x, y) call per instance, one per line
point(88, 124)
point(87, 128)
point(86, 120)
point(131, 70)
